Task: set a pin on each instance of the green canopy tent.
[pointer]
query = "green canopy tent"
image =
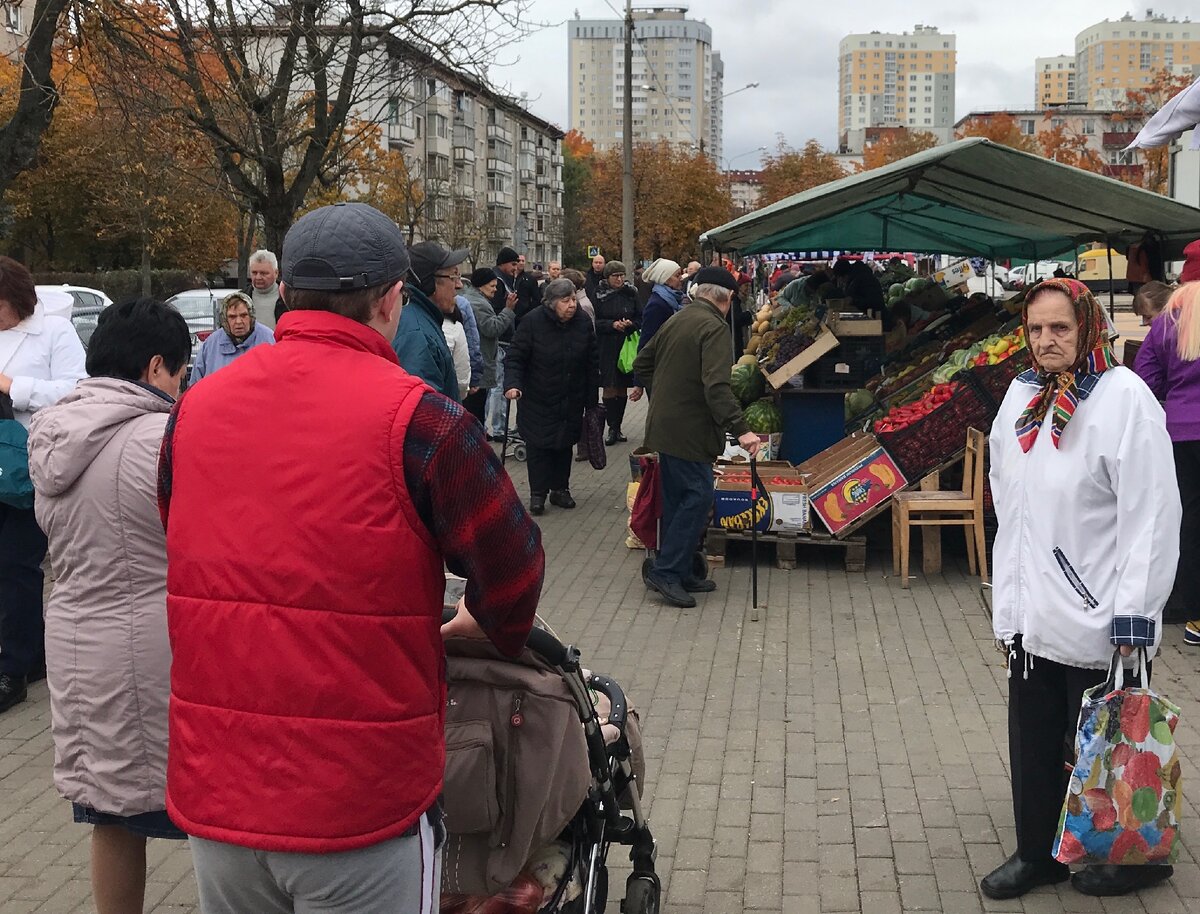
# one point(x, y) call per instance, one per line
point(971, 197)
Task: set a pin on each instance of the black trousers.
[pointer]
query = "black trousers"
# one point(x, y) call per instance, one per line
point(22, 626)
point(1187, 473)
point(476, 404)
point(1043, 715)
point(549, 469)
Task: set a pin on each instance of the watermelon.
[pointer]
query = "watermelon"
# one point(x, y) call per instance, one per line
point(895, 290)
point(914, 284)
point(763, 417)
point(747, 383)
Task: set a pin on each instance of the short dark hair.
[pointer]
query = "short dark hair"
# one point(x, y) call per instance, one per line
point(16, 287)
point(355, 304)
point(841, 268)
point(128, 335)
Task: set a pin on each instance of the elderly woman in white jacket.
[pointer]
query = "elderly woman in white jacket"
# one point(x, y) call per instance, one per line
point(1083, 479)
point(41, 358)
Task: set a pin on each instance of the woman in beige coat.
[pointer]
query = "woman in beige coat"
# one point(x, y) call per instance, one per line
point(93, 458)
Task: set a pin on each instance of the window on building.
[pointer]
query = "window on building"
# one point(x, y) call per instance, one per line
point(1028, 127)
point(393, 111)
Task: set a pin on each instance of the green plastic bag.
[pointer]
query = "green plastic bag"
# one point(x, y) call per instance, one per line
point(629, 350)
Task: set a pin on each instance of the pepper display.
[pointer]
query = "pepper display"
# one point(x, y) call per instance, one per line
point(903, 416)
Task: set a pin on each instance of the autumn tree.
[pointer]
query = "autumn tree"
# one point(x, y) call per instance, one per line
point(1138, 107)
point(678, 194)
point(272, 87)
point(999, 128)
point(1069, 147)
point(577, 153)
point(789, 171)
point(894, 146)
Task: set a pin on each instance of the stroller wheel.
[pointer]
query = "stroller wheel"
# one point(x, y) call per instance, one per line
point(700, 565)
point(641, 894)
point(520, 453)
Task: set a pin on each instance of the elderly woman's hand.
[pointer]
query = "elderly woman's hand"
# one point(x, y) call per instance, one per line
point(635, 395)
point(512, 394)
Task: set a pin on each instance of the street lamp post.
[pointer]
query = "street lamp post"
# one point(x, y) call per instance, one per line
point(742, 155)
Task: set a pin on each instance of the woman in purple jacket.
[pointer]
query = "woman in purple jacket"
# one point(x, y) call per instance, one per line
point(1169, 363)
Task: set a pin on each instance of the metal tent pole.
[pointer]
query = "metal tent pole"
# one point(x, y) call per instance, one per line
point(1112, 308)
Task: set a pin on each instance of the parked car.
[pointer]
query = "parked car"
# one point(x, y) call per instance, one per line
point(1022, 276)
point(85, 306)
point(199, 308)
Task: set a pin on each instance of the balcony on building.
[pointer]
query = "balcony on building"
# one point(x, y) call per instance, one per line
point(1113, 139)
point(500, 198)
point(500, 166)
point(496, 132)
point(1125, 172)
point(464, 154)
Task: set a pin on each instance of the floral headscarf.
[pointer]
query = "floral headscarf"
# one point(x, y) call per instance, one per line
point(1060, 393)
point(227, 304)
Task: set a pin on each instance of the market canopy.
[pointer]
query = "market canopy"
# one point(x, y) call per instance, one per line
point(971, 197)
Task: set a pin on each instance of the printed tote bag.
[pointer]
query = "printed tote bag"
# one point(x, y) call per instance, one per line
point(1125, 794)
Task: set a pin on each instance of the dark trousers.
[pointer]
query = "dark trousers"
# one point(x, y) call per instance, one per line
point(22, 626)
point(614, 408)
point(687, 498)
point(549, 469)
point(1043, 715)
point(1187, 472)
point(476, 404)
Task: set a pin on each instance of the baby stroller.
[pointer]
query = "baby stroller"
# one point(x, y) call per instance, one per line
point(540, 784)
point(512, 438)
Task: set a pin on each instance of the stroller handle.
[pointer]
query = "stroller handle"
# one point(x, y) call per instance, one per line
point(616, 697)
point(541, 642)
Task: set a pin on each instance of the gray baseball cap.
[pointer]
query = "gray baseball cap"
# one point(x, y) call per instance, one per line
point(343, 247)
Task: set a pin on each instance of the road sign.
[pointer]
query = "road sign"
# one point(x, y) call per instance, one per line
point(593, 250)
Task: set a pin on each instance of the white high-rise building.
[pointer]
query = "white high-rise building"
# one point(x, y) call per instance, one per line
point(887, 79)
point(678, 80)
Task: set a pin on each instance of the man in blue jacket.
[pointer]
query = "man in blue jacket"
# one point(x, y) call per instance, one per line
point(420, 343)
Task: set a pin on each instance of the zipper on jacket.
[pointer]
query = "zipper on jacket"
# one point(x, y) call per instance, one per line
point(515, 721)
point(1072, 576)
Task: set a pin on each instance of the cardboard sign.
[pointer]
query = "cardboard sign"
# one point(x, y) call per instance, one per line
point(782, 506)
point(850, 479)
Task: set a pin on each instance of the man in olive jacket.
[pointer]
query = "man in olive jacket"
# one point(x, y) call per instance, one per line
point(687, 363)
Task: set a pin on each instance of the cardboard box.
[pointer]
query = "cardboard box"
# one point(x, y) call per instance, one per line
point(850, 479)
point(956, 274)
point(768, 450)
point(821, 345)
point(853, 325)
point(783, 505)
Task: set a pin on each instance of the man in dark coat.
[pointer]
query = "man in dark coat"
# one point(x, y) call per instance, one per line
point(552, 371)
point(618, 316)
point(594, 278)
point(529, 292)
point(693, 407)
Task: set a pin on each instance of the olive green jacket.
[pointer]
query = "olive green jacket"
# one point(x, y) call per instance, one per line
point(687, 362)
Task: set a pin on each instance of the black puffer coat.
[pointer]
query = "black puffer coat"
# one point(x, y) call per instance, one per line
point(553, 364)
point(614, 305)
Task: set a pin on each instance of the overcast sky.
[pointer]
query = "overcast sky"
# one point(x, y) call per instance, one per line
point(790, 47)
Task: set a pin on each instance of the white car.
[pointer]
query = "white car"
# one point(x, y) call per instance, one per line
point(79, 303)
point(1020, 277)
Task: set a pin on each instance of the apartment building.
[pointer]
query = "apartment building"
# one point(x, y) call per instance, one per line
point(1100, 130)
point(17, 19)
point(1113, 57)
point(745, 187)
point(888, 79)
point(486, 171)
point(1054, 81)
point(677, 76)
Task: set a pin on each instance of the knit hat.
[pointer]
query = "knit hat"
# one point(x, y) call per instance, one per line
point(481, 277)
point(660, 271)
point(613, 266)
point(507, 255)
point(1191, 265)
point(715, 276)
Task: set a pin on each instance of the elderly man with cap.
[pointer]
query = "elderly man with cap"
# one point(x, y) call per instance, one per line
point(307, 684)
point(420, 343)
point(238, 334)
point(693, 407)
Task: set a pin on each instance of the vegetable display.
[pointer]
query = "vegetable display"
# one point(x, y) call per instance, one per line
point(763, 417)
point(747, 382)
point(903, 416)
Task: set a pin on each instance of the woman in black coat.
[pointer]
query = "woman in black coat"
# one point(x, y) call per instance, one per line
point(618, 316)
point(552, 370)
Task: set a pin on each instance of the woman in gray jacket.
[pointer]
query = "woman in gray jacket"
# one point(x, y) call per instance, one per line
point(93, 458)
point(492, 326)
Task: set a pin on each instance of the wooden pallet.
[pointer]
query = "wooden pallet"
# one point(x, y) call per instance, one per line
point(785, 546)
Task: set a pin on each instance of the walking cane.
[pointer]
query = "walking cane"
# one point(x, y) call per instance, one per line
point(756, 486)
point(504, 445)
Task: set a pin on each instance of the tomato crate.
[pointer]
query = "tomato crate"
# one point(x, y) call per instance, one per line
point(994, 380)
point(931, 440)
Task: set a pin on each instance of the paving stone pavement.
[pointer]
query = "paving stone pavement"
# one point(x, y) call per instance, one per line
point(845, 753)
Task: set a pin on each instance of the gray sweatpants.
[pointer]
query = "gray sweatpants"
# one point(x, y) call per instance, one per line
point(401, 876)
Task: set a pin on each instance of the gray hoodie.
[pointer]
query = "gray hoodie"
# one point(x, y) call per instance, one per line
point(93, 458)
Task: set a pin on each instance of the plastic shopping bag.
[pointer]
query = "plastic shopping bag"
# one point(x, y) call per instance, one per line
point(629, 351)
point(1125, 795)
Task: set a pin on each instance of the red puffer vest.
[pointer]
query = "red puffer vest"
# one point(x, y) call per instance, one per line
point(303, 600)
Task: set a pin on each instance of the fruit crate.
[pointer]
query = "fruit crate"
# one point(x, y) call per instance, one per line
point(932, 440)
point(994, 380)
point(856, 360)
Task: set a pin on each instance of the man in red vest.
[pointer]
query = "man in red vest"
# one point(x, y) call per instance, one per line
point(312, 493)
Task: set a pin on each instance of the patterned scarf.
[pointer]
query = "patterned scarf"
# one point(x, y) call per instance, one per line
point(1060, 393)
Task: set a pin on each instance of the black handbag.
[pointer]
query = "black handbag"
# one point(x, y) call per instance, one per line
point(594, 418)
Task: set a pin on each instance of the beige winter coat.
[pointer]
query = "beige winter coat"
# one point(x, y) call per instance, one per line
point(93, 458)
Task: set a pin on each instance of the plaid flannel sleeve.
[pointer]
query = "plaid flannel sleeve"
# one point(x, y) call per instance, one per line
point(467, 502)
point(1135, 630)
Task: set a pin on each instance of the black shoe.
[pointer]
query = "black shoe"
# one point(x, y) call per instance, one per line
point(562, 498)
point(671, 591)
point(1107, 880)
point(612, 437)
point(12, 691)
point(699, 585)
point(1014, 877)
point(579, 458)
point(537, 505)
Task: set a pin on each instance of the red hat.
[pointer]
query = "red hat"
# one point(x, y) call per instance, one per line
point(1191, 266)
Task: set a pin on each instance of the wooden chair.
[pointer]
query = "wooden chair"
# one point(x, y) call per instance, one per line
point(940, 509)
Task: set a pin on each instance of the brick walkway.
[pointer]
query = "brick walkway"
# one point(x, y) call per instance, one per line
point(846, 753)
